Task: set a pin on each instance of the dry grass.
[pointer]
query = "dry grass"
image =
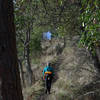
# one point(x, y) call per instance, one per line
point(70, 76)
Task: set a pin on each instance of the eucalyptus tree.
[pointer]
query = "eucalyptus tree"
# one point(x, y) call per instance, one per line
point(90, 36)
point(28, 40)
point(10, 87)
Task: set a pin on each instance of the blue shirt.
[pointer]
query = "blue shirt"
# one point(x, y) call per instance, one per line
point(48, 35)
point(48, 68)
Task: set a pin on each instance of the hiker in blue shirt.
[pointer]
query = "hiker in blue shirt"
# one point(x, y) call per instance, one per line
point(49, 35)
point(48, 73)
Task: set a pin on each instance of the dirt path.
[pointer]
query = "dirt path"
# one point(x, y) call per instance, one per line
point(48, 96)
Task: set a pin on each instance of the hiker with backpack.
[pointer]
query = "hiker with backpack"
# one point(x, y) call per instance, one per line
point(48, 73)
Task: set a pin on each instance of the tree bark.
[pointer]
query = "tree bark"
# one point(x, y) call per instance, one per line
point(27, 57)
point(98, 52)
point(28, 67)
point(10, 87)
point(97, 59)
point(21, 73)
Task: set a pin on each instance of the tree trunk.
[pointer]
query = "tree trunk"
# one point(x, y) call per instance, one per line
point(27, 57)
point(10, 87)
point(64, 42)
point(98, 52)
point(28, 66)
point(21, 72)
point(96, 59)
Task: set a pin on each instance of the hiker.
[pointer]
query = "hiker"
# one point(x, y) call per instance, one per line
point(48, 74)
point(47, 36)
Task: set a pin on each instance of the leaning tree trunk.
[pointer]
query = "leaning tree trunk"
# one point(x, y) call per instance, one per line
point(10, 87)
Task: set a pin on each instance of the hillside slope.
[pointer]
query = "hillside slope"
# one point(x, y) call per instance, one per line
point(74, 70)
